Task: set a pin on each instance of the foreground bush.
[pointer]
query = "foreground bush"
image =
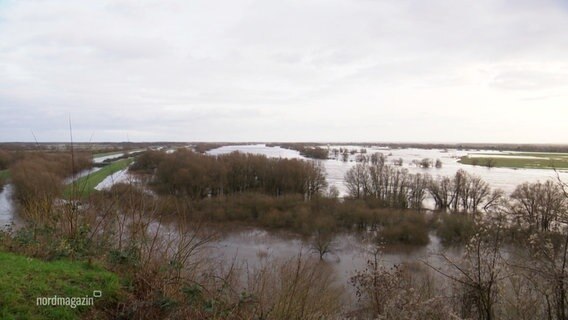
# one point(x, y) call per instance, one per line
point(455, 228)
point(403, 227)
point(39, 177)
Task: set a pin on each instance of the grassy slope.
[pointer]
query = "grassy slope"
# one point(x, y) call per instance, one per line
point(557, 162)
point(24, 279)
point(86, 185)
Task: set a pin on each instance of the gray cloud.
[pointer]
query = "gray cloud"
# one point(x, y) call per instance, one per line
point(402, 70)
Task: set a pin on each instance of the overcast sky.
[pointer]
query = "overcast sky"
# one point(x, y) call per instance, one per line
point(279, 70)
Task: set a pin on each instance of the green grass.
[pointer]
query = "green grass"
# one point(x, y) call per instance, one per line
point(23, 280)
point(542, 161)
point(86, 185)
point(547, 155)
point(4, 174)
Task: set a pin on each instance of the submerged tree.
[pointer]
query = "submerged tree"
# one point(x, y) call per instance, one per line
point(540, 205)
point(357, 181)
point(438, 164)
point(464, 191)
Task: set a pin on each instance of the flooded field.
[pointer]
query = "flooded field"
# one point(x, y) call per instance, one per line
point(117, 177)
point(249, 246)
point(503, 178)
point(350, 251)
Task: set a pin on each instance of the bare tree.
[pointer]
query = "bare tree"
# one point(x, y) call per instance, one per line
point(539, 204)
point(322, 243)
point(357, 181)
point(479, 273)
point(548, 250)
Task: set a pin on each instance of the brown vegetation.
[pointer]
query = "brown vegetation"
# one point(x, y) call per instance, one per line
point(308, 151)
point(200, 176)
point(393, 187)
point(540, 205)
point(39, 176)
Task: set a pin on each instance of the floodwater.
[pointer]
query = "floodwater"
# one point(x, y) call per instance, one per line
point(107, 157)
point(350, 251)
point(102, 159)
point(7, 208)
point(502, 178)
point(117, 177)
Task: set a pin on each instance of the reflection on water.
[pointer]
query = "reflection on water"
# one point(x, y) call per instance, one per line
point(7, 209)
point(350, 250)
point(121, 176)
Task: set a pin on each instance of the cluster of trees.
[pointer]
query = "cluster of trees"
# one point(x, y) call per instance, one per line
point(492, 279)
point(198, 176)
point(203, 147)
point(540, 205)
point(525, 281)
point(376, 157)
point(5, 159)
point(321, 217)
point(397, 188)
point(427, 163)
point(393, 187)
point(40, 176)
point(463, 192)
point(344, 153)
point(308, 151)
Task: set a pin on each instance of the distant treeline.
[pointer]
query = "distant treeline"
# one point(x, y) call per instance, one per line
point(205, 146)
point(95, 147)
point(187, 173)
point(308, 151)
point(465, 146)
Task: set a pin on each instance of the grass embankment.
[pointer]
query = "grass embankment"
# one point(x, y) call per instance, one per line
point(533, 160)
point(86, 185)
point(24, 279)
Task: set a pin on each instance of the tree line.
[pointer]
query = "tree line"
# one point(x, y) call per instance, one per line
point(541, 203)
point(198, 176)
point(306, 150)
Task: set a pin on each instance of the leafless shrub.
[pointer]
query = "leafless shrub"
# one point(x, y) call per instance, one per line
point(397, 292)
point(296, 288)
